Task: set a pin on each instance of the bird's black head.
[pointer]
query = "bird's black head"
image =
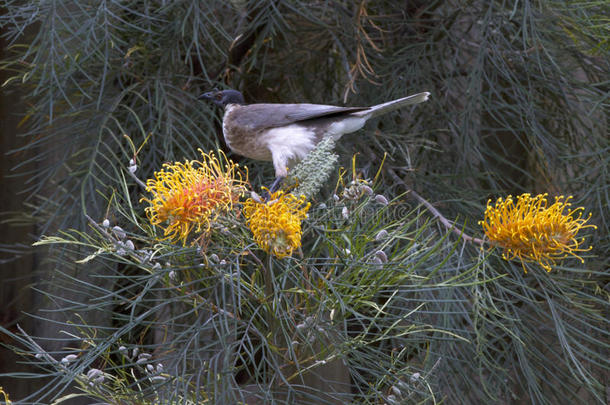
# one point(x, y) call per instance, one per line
point(223, 97)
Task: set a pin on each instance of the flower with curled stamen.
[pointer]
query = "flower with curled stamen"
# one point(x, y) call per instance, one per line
point(276, 224)
point(5, 395)
point(189, 196)
point(533, 231)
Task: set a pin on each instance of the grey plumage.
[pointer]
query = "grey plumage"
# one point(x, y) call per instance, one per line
point(384, 108)
point(262, 116)
point(285, 133)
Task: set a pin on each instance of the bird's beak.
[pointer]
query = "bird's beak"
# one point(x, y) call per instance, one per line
point(207, 96)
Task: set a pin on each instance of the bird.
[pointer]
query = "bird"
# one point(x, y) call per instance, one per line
point(285, 133)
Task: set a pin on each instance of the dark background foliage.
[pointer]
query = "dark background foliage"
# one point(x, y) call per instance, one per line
point(519, 104)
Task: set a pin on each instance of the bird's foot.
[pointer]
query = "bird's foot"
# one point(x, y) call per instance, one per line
point(266, 195)
point(268, 192)
point(276, 184)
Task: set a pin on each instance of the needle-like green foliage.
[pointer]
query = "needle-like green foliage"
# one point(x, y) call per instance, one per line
point(382, 302)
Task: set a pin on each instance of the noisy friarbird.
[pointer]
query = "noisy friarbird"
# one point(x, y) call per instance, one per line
point(285, 133)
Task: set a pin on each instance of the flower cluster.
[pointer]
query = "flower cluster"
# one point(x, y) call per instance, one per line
point(533, 231)
point(191, 195)
point(276, 225)
point(310, 174)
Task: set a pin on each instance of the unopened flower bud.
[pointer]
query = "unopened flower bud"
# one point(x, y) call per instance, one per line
point(381, 235)
point(68, 359)
point(382, 256)
point(366, 189)
point(119, 232)
point(143, 358)
point(254, 195)
point(93, 373)
point(381, 199)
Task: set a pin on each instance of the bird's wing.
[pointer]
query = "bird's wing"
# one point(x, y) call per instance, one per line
point(260, 116)
point(309, 111)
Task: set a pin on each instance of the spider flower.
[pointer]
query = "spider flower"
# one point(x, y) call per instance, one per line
point(532, 231)
point(276, 224)
point(189, 196)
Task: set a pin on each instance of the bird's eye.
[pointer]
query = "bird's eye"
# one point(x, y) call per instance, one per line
point(218, 96)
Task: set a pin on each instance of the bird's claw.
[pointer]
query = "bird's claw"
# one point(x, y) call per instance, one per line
point(274, 186)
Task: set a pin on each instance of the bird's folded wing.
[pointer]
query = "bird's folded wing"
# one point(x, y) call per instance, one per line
point(311, 111)
point(260, 116)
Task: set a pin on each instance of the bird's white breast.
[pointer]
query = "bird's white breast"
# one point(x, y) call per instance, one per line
point(224, 125)
point(294, 141)
point(288, 145)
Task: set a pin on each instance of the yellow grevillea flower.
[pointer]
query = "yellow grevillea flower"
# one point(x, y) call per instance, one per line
point(533, 231)
point(5, 395)
point(191, 195)
point(276, 224)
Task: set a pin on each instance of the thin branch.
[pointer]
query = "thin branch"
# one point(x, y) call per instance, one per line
point(448, 224)
point(116, 242)
point(140, 182)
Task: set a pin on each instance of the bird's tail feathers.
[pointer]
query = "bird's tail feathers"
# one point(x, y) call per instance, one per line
point(379, 109)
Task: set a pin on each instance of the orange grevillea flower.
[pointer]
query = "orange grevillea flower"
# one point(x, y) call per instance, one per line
point(189, 196)
point(276, 224)
point(534, 231)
